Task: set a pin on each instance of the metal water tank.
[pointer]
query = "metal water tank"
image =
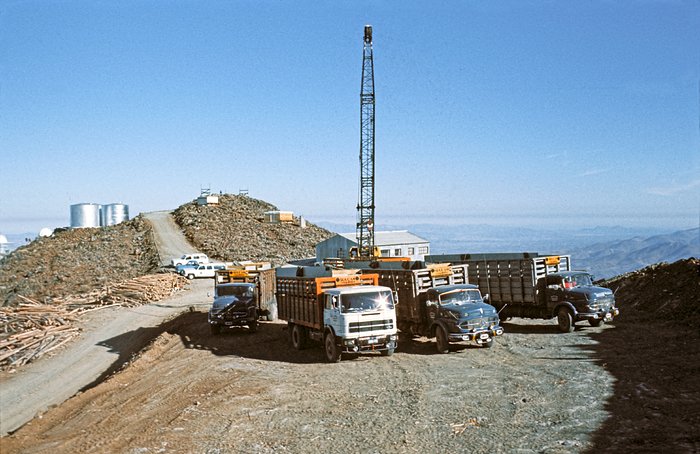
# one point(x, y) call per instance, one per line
point(85, 215)
point(114, 213)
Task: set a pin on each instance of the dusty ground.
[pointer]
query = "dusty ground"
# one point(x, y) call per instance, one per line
point(536, 391)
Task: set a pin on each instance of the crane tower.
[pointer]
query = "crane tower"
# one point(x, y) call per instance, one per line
point(365, 206)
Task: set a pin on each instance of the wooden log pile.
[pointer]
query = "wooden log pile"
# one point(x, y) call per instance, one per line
point(32, 329)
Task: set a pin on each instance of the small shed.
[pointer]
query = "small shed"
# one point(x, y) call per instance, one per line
point(276, 217)
point(208, 199)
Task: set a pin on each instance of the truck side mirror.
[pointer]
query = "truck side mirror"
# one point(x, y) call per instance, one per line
point(396, 298)
point(486, 298)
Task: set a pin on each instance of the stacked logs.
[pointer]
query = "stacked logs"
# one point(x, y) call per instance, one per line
point(32, 329)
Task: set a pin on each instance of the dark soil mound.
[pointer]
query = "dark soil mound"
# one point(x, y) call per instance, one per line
point(663, 292)
point(234, 230)
point(77, 261)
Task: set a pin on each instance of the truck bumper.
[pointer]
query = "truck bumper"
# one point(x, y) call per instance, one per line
point(606, 316)
point(479, 336)
point(368, 344)
point(231, 322)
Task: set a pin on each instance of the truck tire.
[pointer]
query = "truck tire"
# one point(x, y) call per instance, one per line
point(595, 323)
point(272, 311)
point(565, 320)
point(215, 329)
point(489, 344)
point(443, 346)
point(190, 276)
point(297, 337)
point(332, 350)
point(388, 352)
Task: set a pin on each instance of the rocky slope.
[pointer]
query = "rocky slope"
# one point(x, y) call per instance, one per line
point(77, 261)
point(662, 293)
point(234, 230)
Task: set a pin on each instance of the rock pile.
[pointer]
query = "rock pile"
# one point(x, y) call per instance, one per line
point(662, 292)
point(77, 261)
point(235, 230)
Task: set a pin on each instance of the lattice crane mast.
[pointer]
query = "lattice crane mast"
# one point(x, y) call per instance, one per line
point(365, 206)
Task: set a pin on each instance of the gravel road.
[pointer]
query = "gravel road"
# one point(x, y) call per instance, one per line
point(51, 380)
point(535, 391)
point(168, 237)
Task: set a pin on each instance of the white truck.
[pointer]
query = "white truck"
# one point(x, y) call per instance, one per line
point(348, 313)
point(204, 270)
point(184, 258)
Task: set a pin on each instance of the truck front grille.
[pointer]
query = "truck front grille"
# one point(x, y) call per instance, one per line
point(484, 322)
point(373, 325)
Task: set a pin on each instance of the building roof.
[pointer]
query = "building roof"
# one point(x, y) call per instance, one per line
point(389, 238)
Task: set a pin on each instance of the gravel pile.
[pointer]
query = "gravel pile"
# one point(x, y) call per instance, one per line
point(662, 292)
point(73, 261)
point(234, 230)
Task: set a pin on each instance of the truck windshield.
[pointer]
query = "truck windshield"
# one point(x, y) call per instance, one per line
point(461, 297)
point(245, 291)
point(577, 280)
point(367, 301)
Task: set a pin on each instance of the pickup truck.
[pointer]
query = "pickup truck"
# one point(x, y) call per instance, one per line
point(184, 258)
point(203, 270)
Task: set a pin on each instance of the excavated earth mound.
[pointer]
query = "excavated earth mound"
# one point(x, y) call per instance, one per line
point(73, 261)
point(661, 292)
point(235, 230)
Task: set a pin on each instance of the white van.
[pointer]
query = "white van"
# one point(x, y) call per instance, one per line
point(203, 270)
point(200, 258)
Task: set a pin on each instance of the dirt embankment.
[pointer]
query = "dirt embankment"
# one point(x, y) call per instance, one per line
point(624, 387)
point(234, 230)
point(73, 261)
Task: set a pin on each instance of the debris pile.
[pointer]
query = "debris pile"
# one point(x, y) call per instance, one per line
point(235, 230)
point(32, 329)
point(662, 292)
point(75, 261)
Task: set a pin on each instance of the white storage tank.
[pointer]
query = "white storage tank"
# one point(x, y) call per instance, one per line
point(114, 213)
point(85, 215)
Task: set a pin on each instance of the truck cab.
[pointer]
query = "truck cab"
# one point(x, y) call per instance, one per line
point(571, 297)
point(235, 304)
point(361, 318)
point(458, 313)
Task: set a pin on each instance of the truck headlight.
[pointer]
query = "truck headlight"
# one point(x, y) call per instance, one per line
point(349, 342)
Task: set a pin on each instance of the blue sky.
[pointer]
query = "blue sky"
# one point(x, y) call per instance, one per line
point(545, 112)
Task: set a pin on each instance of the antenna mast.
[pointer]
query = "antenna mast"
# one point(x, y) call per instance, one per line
point(365, 207)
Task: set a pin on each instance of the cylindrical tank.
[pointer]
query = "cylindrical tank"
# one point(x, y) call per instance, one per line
point(85, 215)
point(114, 213)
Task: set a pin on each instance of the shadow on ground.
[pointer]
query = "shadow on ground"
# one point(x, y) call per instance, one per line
point(655, 404)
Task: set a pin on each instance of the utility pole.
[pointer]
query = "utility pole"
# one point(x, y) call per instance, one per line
point(365, 207)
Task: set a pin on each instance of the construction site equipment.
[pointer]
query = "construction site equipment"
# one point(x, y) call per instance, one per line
point(530, 285)
point(365, 207)
point(348, 312)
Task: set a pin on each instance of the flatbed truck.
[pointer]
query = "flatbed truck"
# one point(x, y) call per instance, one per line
point(530, 285)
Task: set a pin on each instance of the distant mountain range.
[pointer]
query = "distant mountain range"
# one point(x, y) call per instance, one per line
point(613, 258)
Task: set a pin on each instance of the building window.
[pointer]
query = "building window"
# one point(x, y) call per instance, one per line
point(423, 249)
point(411, 251)
point(397, 252)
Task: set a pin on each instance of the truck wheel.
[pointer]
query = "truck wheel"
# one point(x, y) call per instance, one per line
point(489, 344)
point(388, 352)
point(565, 319)
point(272, 311)
point(190, 276)
point(332, 350)
point(595, 323)
point(253, 326)
point(441, 340)
point(215, 329)
point(297, 337)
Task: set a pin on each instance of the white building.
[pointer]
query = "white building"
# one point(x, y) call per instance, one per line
point(397, 243)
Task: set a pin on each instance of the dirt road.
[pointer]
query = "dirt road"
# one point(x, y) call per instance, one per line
point(536, 391)
point(169, 239)
point(52, 380)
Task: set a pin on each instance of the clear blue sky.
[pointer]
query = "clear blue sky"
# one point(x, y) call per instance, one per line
point(546, 112)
